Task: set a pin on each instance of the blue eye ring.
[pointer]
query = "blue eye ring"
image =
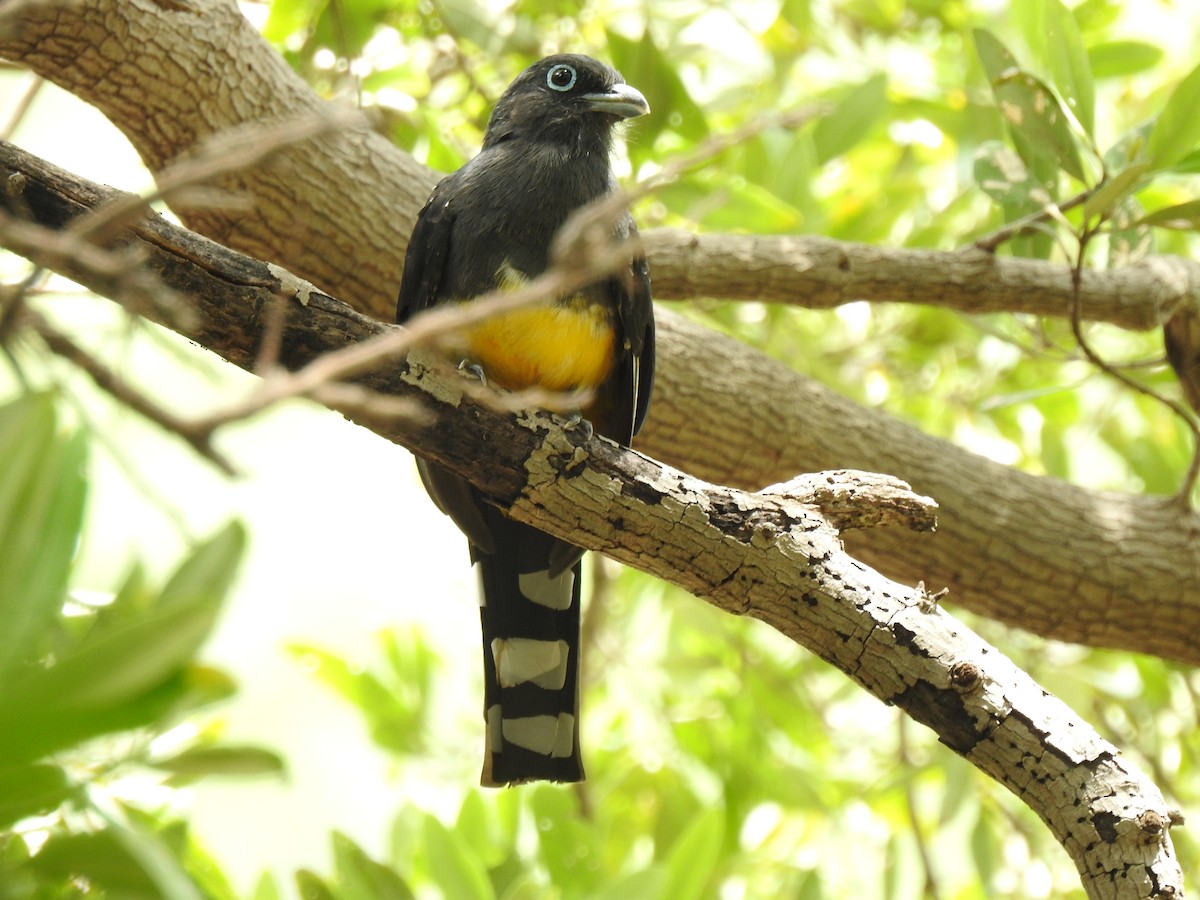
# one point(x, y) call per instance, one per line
point(554, 78)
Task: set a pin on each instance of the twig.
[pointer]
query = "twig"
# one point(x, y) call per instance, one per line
point(112, 384)
point(1183, 495)
point(931, 891)
point(222, 153)
point(989, 242)
point(24, 100)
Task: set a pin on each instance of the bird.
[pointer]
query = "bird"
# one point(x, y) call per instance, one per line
point(490, 226)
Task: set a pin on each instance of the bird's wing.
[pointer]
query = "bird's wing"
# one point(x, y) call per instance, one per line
point(428, 249)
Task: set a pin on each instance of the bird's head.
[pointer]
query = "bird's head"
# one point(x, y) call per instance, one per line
point(567, 99)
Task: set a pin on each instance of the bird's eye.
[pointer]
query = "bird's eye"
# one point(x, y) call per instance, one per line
point(560, 77)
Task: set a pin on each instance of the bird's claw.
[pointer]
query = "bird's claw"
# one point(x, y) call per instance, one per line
point(473, 369)
point(577, 421)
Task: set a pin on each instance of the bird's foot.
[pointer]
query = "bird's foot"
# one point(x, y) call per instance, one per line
point(473, 369)
point(577, 421)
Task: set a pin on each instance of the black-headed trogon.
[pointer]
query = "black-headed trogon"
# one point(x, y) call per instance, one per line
point(490, 225)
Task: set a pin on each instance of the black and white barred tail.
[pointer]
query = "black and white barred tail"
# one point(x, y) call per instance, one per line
point(530, 619)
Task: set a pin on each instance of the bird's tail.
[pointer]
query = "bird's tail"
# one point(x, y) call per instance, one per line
point(530, 618)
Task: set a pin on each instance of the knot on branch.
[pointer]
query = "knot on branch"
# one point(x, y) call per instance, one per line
point(849, 499)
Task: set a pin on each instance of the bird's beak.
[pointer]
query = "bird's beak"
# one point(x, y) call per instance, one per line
point(619, 100)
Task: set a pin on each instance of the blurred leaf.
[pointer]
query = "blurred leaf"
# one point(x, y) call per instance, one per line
point(996, 58)
point(288, 17)
point(852, 119)
point(1030, 107)
point(266, 888)
point(115, 664)
point(1128, 238)
point(1114, 190)
point(1177, 130)
point(116, 862)
point(1181, 217)
point(1097, 15)
point(31, 791)
point(100, 858)
point(730, 205)
point(41, 511)
point(644, 66)
point(360, 876)
point(1114, 59)
point(649, 883)
point(396, 708)
point(694, 858)
point(311, 887)
point(455, 868)
point(1001, 174)
point(200, 762)
point(567, 847)
point(210, 569)
point(115, 667)
point(474, 826)
point(1069, 64)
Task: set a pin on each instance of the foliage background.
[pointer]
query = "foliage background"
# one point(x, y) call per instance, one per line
point(722, 760)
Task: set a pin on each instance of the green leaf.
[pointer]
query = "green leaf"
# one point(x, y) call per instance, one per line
point(210, 570)
point(996, 58)
point(200, 762)
point(312, 887)
point(1114, 190)
point(1031, 109)
point(41, 512)
point(695, 856)
point(286, 17)
point(101, 858)
point(361, 876)
point(116, 666)
point(644, 66)
point(852, 119)
point(455, 869)
point(1181, 217)
point(266, 888)
point(133, 655)
point(31, 791)
point(649, 883)
point(1116, 59)
point(1069, 64)
point(28, 733)
point(1097, 15)
point(1177, 130)
point(1001, 174)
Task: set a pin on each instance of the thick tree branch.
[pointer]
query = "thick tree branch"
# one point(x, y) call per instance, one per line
point(820, 273)
point(766, 555)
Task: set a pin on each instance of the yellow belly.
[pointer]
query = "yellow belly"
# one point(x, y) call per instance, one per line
point(559, 348)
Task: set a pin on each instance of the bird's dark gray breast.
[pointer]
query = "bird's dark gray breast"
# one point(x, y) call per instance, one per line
point(516, 196)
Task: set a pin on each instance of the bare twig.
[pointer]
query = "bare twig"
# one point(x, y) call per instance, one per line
point(112, 384)
point(990, 242)
point(33, 84)
point(1184, 494)
point(931, 890)
point(228, 151)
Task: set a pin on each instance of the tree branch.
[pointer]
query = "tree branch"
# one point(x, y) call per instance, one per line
point(820, 273)
point(766, 555)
